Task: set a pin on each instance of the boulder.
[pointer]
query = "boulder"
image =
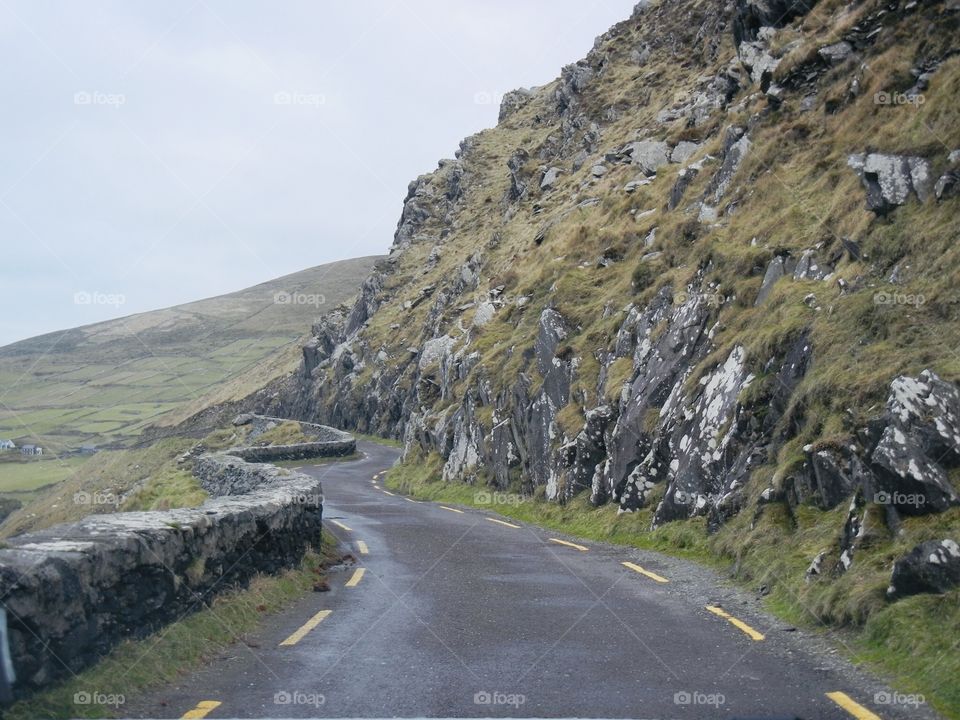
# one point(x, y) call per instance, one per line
point(890, 179)
point(650, 155)
point(931, 567)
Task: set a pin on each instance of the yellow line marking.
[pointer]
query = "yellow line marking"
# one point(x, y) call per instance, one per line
point(362, 547)
point(355, 578)
point(452, 509)
point(852, 707)
point(642, 571)
point(200, 711)
point(581, 548)
point(341, 525)
point(389, 493)
point(720, 612)
point(306, 627)
point(503, 522)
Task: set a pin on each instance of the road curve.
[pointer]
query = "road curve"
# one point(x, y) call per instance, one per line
point(459, 612)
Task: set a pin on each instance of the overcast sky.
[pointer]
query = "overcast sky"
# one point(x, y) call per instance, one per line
point(160, 152)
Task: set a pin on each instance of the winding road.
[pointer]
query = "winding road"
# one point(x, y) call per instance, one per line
point(459, 612)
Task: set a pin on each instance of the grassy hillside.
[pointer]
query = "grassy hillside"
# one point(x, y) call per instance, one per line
point(104, 383)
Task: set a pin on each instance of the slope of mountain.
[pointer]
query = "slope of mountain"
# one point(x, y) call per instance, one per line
point(101, 384)
point(703, 286)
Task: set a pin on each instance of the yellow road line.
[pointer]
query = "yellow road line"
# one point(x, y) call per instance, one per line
point(356, 577)
point(200, 711)
point(581, 548)
point(502, 522)
point(852, 707)
point(306, 627)
point(389, 493)
point(642, 571)
point(720, 612)
point(362, 547)
point(452, 509)
point(341, 525)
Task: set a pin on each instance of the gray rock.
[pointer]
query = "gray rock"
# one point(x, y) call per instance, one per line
point(836, 53)
point(683, 151)
point(550, 177)
point(890, 179)
point(650, 155)
point(513, 101)
point(598, 170)
point(931, 567)
point(776, 269)
point(920, 440)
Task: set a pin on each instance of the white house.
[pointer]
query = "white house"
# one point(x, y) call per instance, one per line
point(7, 445)
point(31, 450)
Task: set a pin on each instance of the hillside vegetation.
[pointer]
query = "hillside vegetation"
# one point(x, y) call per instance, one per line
point(701, 290)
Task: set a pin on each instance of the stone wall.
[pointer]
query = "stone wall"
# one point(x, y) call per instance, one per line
point(73, 591)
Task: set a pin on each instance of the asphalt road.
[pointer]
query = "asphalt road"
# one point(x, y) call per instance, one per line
point(449, 613)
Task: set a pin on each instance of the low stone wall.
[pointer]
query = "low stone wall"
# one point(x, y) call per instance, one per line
point(328, 442)
point(73, 591)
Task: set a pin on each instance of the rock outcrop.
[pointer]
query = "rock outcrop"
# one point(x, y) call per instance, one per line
point(606, 295)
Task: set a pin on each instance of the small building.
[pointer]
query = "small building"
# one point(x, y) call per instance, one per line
point(88, 449)
point(7, 445)
point(31, 450)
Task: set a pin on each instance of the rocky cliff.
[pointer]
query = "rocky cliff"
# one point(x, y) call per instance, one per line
point(706, 275)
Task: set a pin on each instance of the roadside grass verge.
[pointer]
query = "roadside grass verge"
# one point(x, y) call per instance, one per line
point(912, 642)
point(138, 665)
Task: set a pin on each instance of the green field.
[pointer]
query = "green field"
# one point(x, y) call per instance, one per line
point(102, 384)
point(28, 475)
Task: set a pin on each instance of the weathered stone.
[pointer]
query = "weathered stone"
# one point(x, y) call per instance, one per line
point(890, 179)
point(931, 567)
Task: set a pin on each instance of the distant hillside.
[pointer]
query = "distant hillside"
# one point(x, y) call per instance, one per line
point(103, 383)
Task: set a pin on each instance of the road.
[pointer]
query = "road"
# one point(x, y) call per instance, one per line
point(460, 612)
